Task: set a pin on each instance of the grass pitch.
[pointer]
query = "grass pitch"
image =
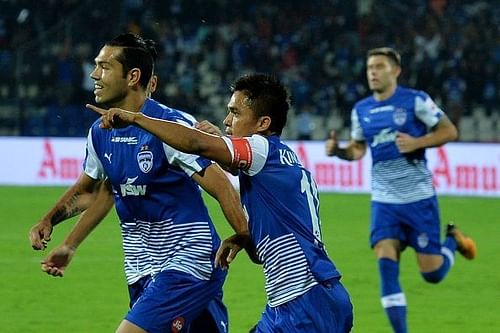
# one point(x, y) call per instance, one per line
point(92, 297)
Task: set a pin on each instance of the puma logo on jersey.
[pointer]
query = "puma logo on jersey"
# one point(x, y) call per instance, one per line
point(383, 136)
point(108, 156)
point(130, 189)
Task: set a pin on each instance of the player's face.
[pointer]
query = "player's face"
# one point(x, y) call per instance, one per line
point(381, 73)
point(110, 87)
point(240, 120)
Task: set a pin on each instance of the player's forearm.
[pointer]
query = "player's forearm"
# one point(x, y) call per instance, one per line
point(216, 183)
point(233, 212)
point(89, 220)
point(176, 135)
point(72, 203)
point(185, 139)
point(444, 132)
point(350, 153)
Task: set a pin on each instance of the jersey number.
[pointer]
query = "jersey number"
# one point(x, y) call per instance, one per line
point(309, 187)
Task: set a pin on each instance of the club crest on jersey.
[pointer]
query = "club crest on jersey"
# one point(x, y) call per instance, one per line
point(399, 116)
point(145, 159)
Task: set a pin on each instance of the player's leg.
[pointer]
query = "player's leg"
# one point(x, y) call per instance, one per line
point(434, 268)
point(465, 245)
point(434, 259)
point(386, 239)
point(128, 327)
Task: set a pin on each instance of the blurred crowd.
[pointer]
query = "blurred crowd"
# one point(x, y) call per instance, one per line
point(451, 49)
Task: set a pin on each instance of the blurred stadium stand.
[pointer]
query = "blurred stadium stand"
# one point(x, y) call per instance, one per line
point(451, 49)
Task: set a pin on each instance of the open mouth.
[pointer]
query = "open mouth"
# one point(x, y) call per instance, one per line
point(97, 87)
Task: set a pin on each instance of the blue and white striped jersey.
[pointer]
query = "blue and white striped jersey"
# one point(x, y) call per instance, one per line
point(164, 222)
point(282, 203)
point(396, 177)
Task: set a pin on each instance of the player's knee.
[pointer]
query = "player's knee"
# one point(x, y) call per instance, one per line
point(433, 277)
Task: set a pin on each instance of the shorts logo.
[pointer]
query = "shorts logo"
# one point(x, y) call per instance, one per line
point(145, 159)
point(177, 324)
point(423, 240)
point(399, 116)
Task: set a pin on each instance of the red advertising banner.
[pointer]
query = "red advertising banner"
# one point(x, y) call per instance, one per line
point(458, 168)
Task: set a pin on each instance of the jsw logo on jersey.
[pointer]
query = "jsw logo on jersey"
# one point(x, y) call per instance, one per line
point(130, 189)
point(384, 136)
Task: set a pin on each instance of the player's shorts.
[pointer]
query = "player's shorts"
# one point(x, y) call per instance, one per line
point(416, 224)
point(136, 289)
point(326, 308)
point(178, 302)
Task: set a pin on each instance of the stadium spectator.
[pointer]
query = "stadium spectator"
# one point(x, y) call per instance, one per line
point(302, 284)
point(393, 122)
point(212, 39)
point(169, 241)
point(321, 40)
point(305, 123)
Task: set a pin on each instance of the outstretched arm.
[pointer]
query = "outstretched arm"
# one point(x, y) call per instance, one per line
point(74, 201)
point(59, 258)
point(180, 137)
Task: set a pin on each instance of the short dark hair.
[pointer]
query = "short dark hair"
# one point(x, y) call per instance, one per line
point(389, 52)
point(136, 53)
point(266, 96)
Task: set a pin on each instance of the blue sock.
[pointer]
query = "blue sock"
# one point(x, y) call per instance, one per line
point(393, 299)
point(448, 252)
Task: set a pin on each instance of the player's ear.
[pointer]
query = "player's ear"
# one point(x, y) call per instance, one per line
point(264, 123)
point(134, 76)
point(397, 70)
point(153, 83)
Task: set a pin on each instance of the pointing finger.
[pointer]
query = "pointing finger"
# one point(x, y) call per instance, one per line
point(96, 109)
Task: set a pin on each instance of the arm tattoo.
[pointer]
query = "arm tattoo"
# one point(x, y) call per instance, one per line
point(69, 209)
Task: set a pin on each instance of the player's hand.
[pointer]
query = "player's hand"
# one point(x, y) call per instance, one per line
point(208, 127)
point(229, 248)
point(331, 144)
point(39, 234)
point(114, 117)
point(406, 143)
point(57, 260)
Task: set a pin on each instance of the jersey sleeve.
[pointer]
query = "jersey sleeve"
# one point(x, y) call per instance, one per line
point(92, 166)
point(189, 163)
point(427, 111)
point(356, 129)
point(248, 154)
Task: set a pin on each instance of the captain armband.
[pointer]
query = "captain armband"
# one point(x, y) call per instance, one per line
point(242, 153)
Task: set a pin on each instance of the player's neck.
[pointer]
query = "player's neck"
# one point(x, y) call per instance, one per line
point(385, 94)
point(132, 102)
